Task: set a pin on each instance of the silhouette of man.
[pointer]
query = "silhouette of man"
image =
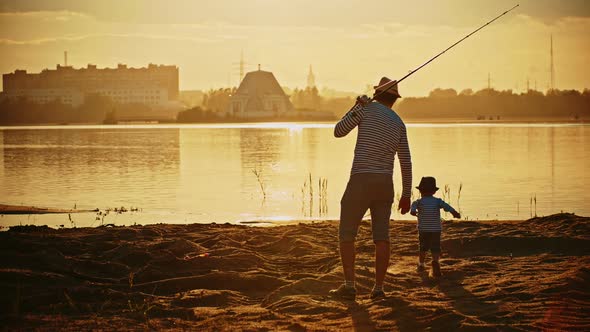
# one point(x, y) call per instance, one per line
point(381, 135)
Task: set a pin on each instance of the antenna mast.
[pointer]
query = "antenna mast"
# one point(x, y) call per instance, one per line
point(552, 69)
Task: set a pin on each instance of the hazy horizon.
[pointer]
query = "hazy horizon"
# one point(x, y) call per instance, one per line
point(348, 46)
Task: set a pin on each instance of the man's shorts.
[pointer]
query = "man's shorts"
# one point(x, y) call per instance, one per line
point(429, 241)
point(366, 191)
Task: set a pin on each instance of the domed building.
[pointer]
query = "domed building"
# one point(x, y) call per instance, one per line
point(259, 96)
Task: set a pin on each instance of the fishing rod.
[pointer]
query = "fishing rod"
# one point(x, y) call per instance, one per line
point(393, 83)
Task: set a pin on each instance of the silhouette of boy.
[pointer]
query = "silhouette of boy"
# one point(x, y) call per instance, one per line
point(427, 208)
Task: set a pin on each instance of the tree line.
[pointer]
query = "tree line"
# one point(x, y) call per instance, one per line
point(441, 105)
point(95, 109)
point(493, 105)
point(24, 111)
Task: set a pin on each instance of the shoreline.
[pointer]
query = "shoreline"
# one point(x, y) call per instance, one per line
point(15, 210)
point(6, 209)
point(24, 209)
point(526, 275)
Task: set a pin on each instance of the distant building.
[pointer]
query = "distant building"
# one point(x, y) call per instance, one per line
point(259, 96)
point(156, 85)
point(310, 78)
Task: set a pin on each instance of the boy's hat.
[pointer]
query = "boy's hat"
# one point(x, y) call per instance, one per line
point(427, 183)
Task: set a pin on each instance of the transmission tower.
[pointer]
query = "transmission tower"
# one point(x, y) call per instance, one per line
point(240, 67)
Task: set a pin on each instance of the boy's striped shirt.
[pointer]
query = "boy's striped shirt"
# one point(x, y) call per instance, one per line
point(381, 135)
point(429, 213)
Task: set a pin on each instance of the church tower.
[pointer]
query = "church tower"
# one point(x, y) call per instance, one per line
point(310, 78)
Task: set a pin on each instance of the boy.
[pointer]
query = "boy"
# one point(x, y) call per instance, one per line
point(429, 226)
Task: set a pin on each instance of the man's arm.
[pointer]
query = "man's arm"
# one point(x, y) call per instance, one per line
point(405, 162)
point(349, 121)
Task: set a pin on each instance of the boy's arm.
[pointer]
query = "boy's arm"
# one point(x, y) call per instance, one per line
point(414, 208)
point(445, 206)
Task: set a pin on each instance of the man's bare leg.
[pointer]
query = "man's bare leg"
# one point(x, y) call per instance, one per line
point(347, 291)
point(381, 261)
point(347, 255)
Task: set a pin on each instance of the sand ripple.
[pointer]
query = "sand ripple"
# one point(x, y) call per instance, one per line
point(531, 275)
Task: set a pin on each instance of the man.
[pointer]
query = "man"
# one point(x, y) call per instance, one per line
point(381, 135)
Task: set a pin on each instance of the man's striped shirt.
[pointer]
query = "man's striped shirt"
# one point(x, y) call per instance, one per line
point(381, 135)
point(429, 213)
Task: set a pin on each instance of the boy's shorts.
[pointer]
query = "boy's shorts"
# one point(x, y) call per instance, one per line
point(366, 191)
point(429, 241)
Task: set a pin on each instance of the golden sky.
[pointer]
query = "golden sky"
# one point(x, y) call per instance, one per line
point(349, 43)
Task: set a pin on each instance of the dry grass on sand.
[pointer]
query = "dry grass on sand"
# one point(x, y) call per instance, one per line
point(529, 275)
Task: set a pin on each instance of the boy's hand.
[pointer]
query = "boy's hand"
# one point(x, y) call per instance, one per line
point(457, 215)
point(413, 213)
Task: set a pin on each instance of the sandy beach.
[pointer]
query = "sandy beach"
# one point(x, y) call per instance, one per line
point(499, 275)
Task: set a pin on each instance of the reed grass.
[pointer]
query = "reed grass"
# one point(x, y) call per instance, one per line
point(308, 196)
point(459, 197)
point(446, 195)
point(323, 196)
point(72, 222)
point(258, 173)
point(303, 191)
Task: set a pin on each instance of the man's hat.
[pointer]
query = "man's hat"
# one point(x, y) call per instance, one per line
point(392, 90)
point(427, 183)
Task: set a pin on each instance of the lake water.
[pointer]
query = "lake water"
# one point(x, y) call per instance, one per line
point(216, 173)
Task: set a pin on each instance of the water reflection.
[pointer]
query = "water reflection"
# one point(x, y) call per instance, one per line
point(1, 158)
point(205, 174)
point(209, 162)
point(89, 167)
point(502, 168)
